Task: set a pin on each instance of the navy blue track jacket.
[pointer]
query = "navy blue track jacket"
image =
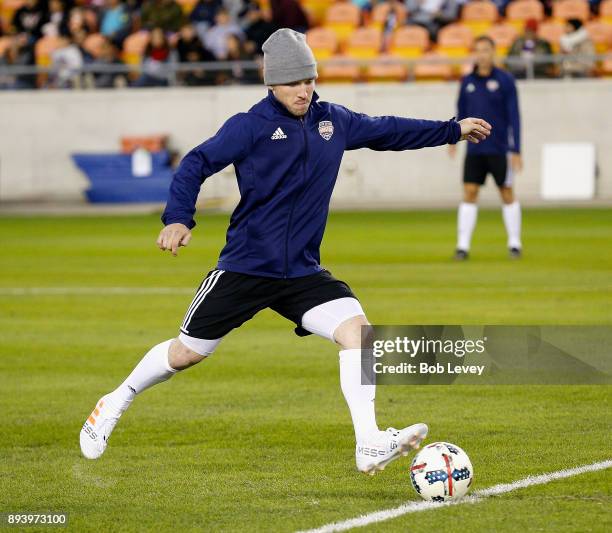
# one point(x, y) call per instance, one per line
point(494, 99)
point(286, 169)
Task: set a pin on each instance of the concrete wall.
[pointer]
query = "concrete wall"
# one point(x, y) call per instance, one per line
point(39, 131)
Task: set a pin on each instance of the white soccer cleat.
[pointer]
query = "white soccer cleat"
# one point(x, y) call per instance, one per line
point(383, 447)
point(97, 429)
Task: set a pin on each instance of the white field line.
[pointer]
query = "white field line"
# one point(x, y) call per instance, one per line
point(103, 290)
point(477, 496)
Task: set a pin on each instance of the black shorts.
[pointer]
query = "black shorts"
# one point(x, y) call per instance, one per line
point(225, 300)
point(476, 168)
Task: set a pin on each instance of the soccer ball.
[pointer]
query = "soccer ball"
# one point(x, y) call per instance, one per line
point(441, 472)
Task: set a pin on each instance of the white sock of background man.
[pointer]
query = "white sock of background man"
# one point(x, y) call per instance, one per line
point(360, 398)
point(512, 220)
point(466, 222)
point(153, 368)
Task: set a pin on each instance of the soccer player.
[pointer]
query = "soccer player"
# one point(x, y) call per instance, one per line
point(490, 93)
point(286, 152)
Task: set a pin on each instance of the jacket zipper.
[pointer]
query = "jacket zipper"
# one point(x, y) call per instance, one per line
point(295, 198)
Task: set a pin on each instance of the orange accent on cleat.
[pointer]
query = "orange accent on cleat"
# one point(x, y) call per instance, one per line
point(92, 420)
point(96, 411)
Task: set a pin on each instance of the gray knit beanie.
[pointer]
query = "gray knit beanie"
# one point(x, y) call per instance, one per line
point(287, 58)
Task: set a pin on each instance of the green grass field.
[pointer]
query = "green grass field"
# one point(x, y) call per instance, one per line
point(258, 437)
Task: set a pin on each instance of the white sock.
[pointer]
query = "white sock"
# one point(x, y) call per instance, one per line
point(512, 220)
point(153, 368)
point(466, 222)
point(360, 398)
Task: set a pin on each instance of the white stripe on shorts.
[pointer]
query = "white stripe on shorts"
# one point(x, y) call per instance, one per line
point(509, 172)
point(206, 287)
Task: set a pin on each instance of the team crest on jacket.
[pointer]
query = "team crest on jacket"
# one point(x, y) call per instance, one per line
point(326, 129)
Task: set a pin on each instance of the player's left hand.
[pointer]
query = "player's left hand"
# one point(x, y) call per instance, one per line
point(474, 130)
point(516, 162)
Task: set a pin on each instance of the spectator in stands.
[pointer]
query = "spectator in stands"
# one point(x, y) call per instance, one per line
point(115, 22)
point(215, 38)
point(190, 50)
point(238, 74)
point(205, 11)
point(155, 57)
point(21, 53)
point(164, 14)
point(66, 64)
point(501, 5)
point(289, 14)
point(577, 42)
point(432, 14)
point(108, 56)
point(57, 19)
point(259, 27)
point(30, 18)
point(526, 47)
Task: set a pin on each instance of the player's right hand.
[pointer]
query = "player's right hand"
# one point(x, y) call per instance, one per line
point(173, 236)
point(474, 130)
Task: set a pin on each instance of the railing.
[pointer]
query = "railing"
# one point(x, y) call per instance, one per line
point(171, 72)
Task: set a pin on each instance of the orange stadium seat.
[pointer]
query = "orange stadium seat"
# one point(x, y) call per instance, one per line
point(315, 9)
point(504, 35)
point(187, 5)
point(385, 69)
point(323, 42)
point(455, 40)
point(43, 49)
point(601, 35)
point(364, 43)
point(380, 12)
point(338, 69)
point(7, 10)
point(343, 18)
point(433, 71)
point(5, 43)
point(479, 16)
point(563, 10)
point(552, 32)
point(605, 12)
point(409, 42)
point(93, 44)
point(519, 12)
point(606, 67)
point(134, 47)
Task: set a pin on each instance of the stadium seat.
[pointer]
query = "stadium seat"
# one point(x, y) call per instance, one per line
point(43, 49)
point(563, 10)
point(455, 40)
point(409, 42)
point(5, 43)
point(187, 5)
point(339, 69)
point(385, 69)
point(606, 67)
point(364, 43)
point(380, 12)
point(315, 9)
point(134, 47)
point(601, 35)
point(433, 71)
point(552, 32)
point(7, 10)
point(323, 42)
point(342, 18)
point(504, 35)
point(605, 12)
point(93, 44)
point(519, 12)
point(479, 16)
